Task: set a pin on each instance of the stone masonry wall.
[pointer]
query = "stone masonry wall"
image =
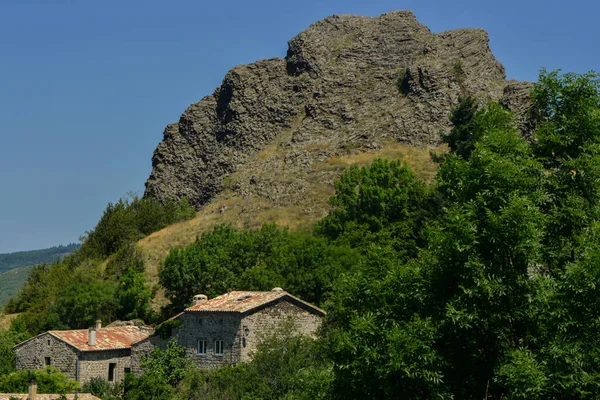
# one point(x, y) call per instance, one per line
point(279, 318)
point(210, 327)
point(96, 364)
point(33, 354)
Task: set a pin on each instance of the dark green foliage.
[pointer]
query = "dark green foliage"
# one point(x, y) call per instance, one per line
point(73, 293)
point(384, 204)
point(127, 221)
point(403, 82)
point(8, 338)
point(103, 389)
point(568, 143)
point(27, 258)
point(226, 259)
point(49, 380)
point(163, 369)
point(133, 296)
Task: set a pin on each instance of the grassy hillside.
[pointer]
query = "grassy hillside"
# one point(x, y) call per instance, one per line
point(9, 261)
point(252, 211)
point(11, 281)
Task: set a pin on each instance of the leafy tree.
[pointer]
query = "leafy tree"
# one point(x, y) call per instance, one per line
point(226, 259)
point(383, 203)
point(9, 338)
point(463, 135)
point(49, 380)
point(133, 296)
point(567, 114)
point(81, 304)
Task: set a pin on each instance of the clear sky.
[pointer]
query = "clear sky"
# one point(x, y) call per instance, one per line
point(86, 87)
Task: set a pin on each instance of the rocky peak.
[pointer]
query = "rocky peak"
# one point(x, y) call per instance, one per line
point(348, 84)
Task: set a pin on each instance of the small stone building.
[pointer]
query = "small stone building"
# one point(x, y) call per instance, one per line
point(83, 354)
point(228, 328)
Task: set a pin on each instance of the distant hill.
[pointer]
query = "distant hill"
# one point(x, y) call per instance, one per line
point(9, 261)
point(15, 267)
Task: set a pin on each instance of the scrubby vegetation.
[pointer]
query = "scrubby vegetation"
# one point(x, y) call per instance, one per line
point(103, 279)
point(480, 284)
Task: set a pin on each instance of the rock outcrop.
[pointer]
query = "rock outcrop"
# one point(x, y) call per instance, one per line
point(348, 84)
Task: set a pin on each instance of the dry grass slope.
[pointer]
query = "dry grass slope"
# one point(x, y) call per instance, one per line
point(252, 211)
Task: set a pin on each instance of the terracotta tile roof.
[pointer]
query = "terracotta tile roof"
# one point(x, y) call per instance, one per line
point(114, 338)
point(244, 302)
point(80, 396)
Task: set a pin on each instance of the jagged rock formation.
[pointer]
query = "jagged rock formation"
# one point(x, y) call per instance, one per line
point(348, 84)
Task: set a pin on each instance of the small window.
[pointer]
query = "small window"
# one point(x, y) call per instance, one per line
point(47, 361)
point(219, 347)
point(201, 349)
point(111, 371)
point(243, 342)
point(49, 342)
point(127, 370)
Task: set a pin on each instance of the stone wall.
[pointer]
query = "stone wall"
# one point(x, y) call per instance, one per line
point(210, 327)
point(95, 364)
point(33, 354)
point(280, 318)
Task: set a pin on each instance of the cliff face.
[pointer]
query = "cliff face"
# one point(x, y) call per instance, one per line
point(348, 84)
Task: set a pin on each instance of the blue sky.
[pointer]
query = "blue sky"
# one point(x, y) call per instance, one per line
point(86, 87)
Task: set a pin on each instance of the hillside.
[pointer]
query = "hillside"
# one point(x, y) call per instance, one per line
point(252, 211)
point(268, 144)
point(18, 259)
point(11, 281)
point(15, 267)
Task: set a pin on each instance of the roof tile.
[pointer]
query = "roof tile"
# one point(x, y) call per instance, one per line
point(244, 301)
point(113, 338)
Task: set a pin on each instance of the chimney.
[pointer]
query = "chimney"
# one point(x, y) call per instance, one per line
point(32, 390)
point(92, 336)
point(199, 298)
point(277, 289)
point(98, 324)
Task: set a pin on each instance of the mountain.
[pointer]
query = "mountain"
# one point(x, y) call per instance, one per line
point(348, 84)
point(18, 259)
point(268, 144)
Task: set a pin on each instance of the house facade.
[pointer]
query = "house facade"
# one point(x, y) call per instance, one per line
point(227, 329)
point(82, 354)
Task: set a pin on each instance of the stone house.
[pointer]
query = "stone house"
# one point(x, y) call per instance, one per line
point(228, 328)
point(83, 354)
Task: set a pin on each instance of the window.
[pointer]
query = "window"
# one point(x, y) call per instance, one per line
point(127, 370)
point(47, 362)
point(219, 347)
point(111, 371)
point(201, 349)
point(243, 342)
point(49, 342)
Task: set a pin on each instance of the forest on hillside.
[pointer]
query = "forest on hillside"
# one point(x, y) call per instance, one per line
point(481, 284)
point(18, 259)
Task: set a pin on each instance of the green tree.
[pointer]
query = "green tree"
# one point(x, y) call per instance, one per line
point(49, 380)
point(567, 114)
point(383, 203)
point(133, 296)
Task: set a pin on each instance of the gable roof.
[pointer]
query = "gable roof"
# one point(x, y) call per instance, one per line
point(112, 338)
point(245, 302)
